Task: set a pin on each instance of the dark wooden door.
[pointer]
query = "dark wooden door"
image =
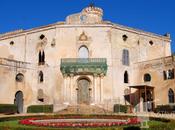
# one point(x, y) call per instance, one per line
point(83, 91)
point(19, 101)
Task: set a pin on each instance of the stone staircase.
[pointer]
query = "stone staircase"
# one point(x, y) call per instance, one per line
point(84, 109)
point(59, 107)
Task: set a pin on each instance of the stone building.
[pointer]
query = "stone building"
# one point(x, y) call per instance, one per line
point(85, 60)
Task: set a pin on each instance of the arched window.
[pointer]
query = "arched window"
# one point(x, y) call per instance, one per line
point(126, 78)
point(40, 95)
point(83, 52)
point(147, 77)
point(41, 57)
point(168, 74)
point(41, 76)
point(171, 96)
point(125, 57)
point(19, 77)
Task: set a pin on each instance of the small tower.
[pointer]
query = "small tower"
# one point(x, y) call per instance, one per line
point(89, 15)
point(92, 15)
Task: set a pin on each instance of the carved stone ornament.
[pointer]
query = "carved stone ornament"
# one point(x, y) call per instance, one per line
point(83, 37)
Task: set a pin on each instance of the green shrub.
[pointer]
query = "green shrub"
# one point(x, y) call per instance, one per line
point(8, 108)
point(165, 108)
point(121, 108)
point(40, 109)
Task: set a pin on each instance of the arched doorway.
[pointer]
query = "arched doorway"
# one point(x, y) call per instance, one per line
point(19, 101)
point(83, 91)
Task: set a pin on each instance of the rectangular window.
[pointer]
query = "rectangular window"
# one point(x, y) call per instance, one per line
point(125, 57)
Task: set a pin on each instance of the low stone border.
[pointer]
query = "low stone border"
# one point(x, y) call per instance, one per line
point(79, 122)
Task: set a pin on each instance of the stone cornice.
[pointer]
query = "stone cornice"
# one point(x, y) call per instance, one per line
point(21, 32)
point(63, 25)
point(156, 63)
point(141, 32)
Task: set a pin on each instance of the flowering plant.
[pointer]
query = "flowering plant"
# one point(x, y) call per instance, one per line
point(59, 124)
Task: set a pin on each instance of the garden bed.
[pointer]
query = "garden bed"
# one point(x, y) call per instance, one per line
point(80, 121)
point(11, 122)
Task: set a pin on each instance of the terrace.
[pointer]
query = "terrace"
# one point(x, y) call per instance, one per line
point(83, 66)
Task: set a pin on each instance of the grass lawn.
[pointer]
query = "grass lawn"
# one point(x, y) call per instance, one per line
point(13, 125)
point(155, 124)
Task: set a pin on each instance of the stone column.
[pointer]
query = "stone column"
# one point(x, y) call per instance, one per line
point(71, 87)
point(65, 88)
point(94, 88)
point(98, 89)
point(101, 88)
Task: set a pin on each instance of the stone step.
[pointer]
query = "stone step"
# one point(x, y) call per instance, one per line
point(84, 109)
point(59, 107)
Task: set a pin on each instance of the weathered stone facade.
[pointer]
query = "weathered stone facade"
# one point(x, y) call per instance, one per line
point(47, 77)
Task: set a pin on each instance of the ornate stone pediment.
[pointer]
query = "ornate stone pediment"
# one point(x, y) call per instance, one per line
point(83, 37)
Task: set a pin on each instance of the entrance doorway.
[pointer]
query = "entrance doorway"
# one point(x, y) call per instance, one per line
point(83, 91)
point(19, 101)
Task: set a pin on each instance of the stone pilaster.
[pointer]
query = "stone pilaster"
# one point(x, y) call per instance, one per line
point(71, 87)
point(65, 88)
point(94, 88)
point(101, 88)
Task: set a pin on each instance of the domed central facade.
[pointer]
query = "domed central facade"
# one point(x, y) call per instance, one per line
point(85, 60)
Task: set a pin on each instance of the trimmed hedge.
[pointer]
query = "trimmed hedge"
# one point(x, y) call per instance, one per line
point(8, 108)
point(40, 109)
point(121, 108)
point(165, 109)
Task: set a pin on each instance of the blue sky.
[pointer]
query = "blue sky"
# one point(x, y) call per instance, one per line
point(157, 16)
